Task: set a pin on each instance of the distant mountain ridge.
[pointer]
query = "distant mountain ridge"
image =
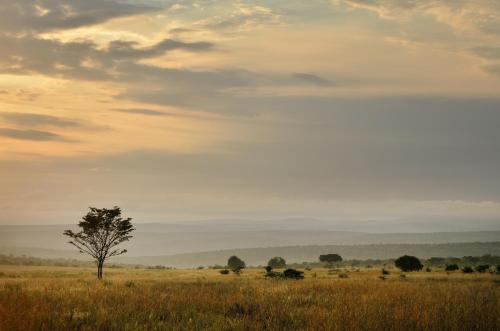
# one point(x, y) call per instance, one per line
point(153, 239)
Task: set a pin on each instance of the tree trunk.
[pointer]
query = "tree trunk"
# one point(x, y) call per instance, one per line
point(100, 264)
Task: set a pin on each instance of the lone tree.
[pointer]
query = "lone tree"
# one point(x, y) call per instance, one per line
point(408, 263)
point(330, 258)
point(101, 231)
point(235, 264)
point(451, 267)
point(277, 262)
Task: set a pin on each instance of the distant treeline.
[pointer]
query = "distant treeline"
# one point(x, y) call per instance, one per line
point(297, 254)
point(431, 262)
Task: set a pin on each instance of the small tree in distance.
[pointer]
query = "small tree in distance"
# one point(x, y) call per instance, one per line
point(330, 258)
point(277, 262)
point(101, 231)
point(408, 263)
point(451, 267)
point(235, 264)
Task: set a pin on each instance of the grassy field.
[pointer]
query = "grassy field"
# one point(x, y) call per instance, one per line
point(66, 298)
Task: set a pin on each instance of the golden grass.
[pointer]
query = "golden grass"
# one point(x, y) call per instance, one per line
point(62, 298)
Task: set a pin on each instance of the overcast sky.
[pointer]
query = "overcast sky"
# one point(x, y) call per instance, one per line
point(179, 110)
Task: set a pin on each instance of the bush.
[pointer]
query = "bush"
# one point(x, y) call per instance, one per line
point(467, 270)
point(408, 263)
point(483, 268)
point(384, 272)
point(277, 262)
point(451, 267)
point(224, 272)
point(428, 269)
point(330, 258)
point(293, 274)
point(235, 264)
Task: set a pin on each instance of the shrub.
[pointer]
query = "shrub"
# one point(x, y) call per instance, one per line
point(330, 258)
point(268, 268)
point(384, 272)
point(235, 264)
point(467, 270)
point(483, 268)
point(408, 263)
point(277, 262)
point(428, 269)
point(343, 275)
point(293, 274)
point(224, 272)
point(451, 267)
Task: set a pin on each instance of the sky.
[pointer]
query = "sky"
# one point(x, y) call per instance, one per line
point(184, 110)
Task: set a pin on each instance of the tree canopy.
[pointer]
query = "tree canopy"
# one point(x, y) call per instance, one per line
point(408, 263)
point(330, 258)
point(101, 231)
point(277, 262)
point(235, 264)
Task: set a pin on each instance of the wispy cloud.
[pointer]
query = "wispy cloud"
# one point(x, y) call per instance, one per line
point(45, 15)
point(79, 59)
point(140, 111)
point(313, 79)
point(487, 52)
point(30, 119)
point(34, 135)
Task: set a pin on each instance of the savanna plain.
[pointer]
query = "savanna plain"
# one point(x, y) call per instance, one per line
point(71, 298)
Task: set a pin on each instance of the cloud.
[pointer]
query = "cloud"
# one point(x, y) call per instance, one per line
point(180, 30)
point(79, 59)
point(140, 111)
point(374, 148)
point(481, 15)
point(487, 52)
point(406, 148)
point(493, 69)
point(35, 135)
point(35, 120)
point(210, 90)
point(313, 79)
point(45, 15)
point(119, 50)
point(242, 17)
